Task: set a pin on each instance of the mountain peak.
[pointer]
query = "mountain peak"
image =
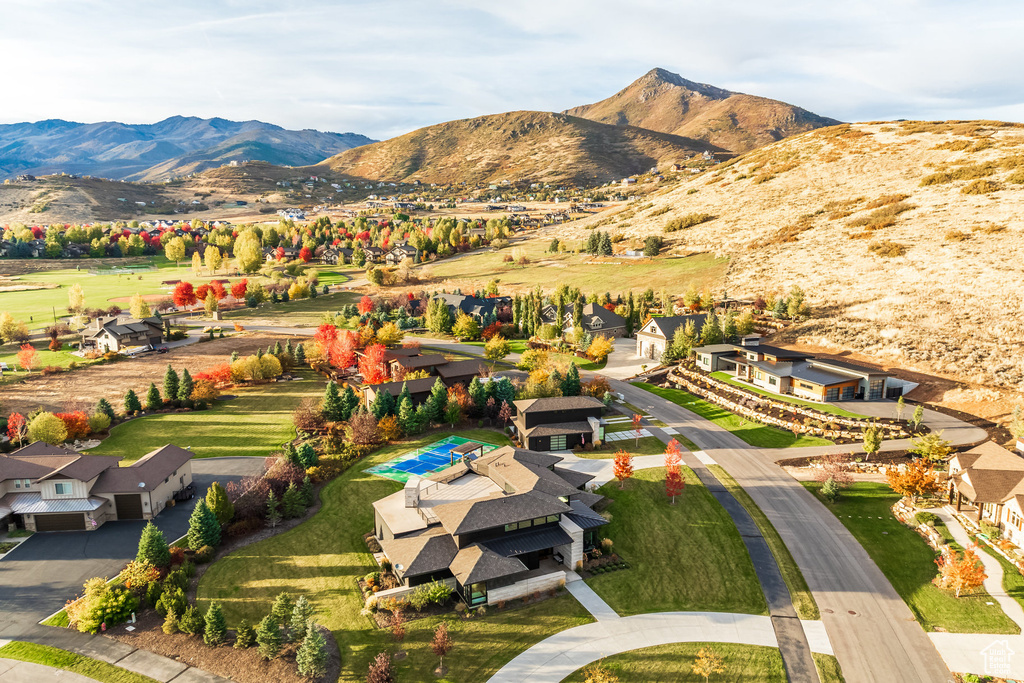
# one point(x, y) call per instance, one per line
point(658, 76)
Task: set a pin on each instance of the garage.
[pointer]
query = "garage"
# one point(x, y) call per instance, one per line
point(129, 506)
point(67, 522)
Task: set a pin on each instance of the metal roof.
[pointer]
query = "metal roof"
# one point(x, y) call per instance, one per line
point(523, 542)
point(32, 503)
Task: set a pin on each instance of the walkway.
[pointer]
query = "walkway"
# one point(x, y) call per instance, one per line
point(595, 604)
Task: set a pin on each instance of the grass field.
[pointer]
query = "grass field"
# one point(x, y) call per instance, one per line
point(683, 557)
point(1013, 581)
point(70, 661)
point(648, 445)
point(803, 601)
point(823, 407)
point(828, 668)
point(909, 563)
point(255, 423)
point(322, 559)
point(619, 275)
point(62, 358)
point(304, 312)
point(754, 433)
point(674, 664)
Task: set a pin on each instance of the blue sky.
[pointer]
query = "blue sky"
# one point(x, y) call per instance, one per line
point(385, 67)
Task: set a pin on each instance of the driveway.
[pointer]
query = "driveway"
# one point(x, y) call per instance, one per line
point(39, 576)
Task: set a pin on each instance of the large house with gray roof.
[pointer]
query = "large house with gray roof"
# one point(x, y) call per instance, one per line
point(989, 481)
point(52, 488)
point(489, 524)
point(117, 333)
point(558, 423)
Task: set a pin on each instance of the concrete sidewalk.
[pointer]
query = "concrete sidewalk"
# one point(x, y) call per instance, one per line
point(597, 607)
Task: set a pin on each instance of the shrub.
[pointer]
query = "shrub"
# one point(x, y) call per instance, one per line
point(153, 592)
point(192, 621)
point(688, 221)
point(928, 518)
point(204, 554)
point(177, 578)
point(429, 592)
point(245, 635)
point(99, 422)
point(980, 186)
point(887, 248)
point(215, 628)
point(172, 598)
point(990, 530)
point(137, 576)
point(103, 603)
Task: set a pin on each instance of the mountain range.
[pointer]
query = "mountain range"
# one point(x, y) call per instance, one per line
point(150, 152)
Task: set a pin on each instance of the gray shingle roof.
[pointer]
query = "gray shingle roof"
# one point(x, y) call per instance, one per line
point(146, 473)
point(467, 516)
point(429, 552)
point(555, 403)
point(523, 542)
point(478, 563)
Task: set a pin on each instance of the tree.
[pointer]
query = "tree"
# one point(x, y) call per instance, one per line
point(362, 428)
point(174, 250)
point(131, 403)
point(623, 466)
point(637, 418)
point(872, 440)
point(27, 357)
point(291, 502)
point(466, 327)
point(830, 490)
point(331, 406)
point(652, 247)
point(76, 298)
point(300, 619)
point(213, 258)
point(171, 384)
point(300, 354)
point(216, 628)
point(708, 662)
point(916, 478)
point(901, 405)
point(389, 335)
point(153, 547)
point(170, 625)
point(197, 264)
point(311, 659)
point(600, 348)
point(407, 416)
point(248, 252)
point(245, 635)
point(184, 295)
point(442, 643)
point(833, 466)
point(373, 365)
point(711, 330)
point(931, 446)
point(674, 482)
point(381, 669)
point(219, 503)
point(17, 428)
point(138, 307)
point(203, 527)
point(153, 400)
point(191, 621)
point(505, 413)
point(917, 417)
point(103, 406)
point(453, 413)
point(185, 387)
point(268, 638)
point(49, 428)
point(273, 510)
point(571, 383)
point(958, 572)
point(281, 610)
point(210, 305)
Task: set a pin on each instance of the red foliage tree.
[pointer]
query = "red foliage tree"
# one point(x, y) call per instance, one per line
point(218, 289)
point(17, 427)
point(279, 253)
point(372, 365)
point(238, 289)
point(623, 467)
point(674, 484)
point(672, 455)
point(491, 330)
point(365, 305)
point(636, 428)
point(184, 295)
point(218, 374)
point(202, 291)
point(306, 254)
point(344, 354)
point(960, 572)
point(441, 643)
point(77, 424)
point(28, 356)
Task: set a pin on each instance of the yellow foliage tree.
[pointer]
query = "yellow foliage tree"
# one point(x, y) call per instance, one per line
point(600, 348)
point(708, 662)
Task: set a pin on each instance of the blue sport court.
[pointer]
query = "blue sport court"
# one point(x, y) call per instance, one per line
point(424, 461)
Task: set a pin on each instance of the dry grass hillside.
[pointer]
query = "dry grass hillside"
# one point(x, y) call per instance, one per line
point(663, 101)
point(906, 236)
point(522, 145)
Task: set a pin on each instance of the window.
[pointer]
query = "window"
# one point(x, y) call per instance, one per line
point(62, 489)
point(773, 380)
point(759, 375)
point(552, 518)
point(17, 483)
point(27, 483)
point(558, 443)
point(525, 525)
point(511, 527)
point(875, 389)
point(539, 521)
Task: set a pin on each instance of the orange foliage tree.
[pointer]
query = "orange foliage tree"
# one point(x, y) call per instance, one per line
point(636, 428)
point(372, 366)
point(77, 424)
point(17, 427)
point(184, 295)
point(623, 466)
point(365, 305)
point(674, 483)
point(917, 478)
point(28, 356)
point(960, 572)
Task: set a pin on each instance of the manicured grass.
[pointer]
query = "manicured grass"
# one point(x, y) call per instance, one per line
point(823, 407)
point(60, 620)
point(828, 668)
point(754, 433)
point(45, 357)
point(683, 557)
point(256, 423)
point(1013, 581)
point(515, 345)
point(322, 559)
point(803, 601)
point(674, 664)
point(909, 563)
point(302, 312)
point(70, 661)
point(648, 445)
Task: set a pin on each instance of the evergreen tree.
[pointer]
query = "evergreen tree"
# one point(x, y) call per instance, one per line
point(729, 328)
point(103, 406)
point(281, 611)
point(216, 627)
point(301, 614)
point(291, 502)
point(268, 638)
point(153, 547)
point(560, 311)
point(605, 248)
point(171, 384)
point(383, 404)
point(217, 500)
point(306, 456)
point(170, 626)
point(683, 341)
point(311, 659)
point(234, 356)
point(273, 510)
point(439, 392)
point(288, 347)
point(478, 395)
point(191, 621)
point(307, 491)
point(153, 400)
point(407, 416)
point(630, 315)
point(131, 403)
point(349, 402)
point(185, 386)
point(571, 383)
point(245, 635)
point(291, 454)
point(577, 312)
point(277, 348)
point(203, 527)
point(300, 354)
point(710, 331)
point(402, 395)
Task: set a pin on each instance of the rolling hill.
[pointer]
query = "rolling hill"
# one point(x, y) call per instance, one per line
point(907, 236)
point(521, 145)
point(663, 101)
point(148, 152)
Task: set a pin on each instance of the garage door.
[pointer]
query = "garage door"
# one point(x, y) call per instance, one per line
point(129, 506)
point(69, 522)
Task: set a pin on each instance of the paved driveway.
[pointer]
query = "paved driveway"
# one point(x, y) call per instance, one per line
point(47, 569)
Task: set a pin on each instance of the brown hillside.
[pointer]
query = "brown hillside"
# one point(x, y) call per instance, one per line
point(907, 235)
point(522, 145)
point(663, 101)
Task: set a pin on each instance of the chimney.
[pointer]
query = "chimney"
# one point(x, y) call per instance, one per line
point(412, 492)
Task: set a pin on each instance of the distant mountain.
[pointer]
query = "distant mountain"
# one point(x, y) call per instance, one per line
point(520, 145)
point(158, 151)
point(666, 102)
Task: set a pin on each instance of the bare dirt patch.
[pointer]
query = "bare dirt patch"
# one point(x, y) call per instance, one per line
point(81, 389)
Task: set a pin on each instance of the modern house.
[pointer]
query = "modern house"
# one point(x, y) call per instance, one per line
point(495, 527)
point(654, 337)
point(419, 390)
point(784, 371)
point(473, 306)
point(459, 371)
point(50, 488)
point(429, 362)
point(409, 360)
point(119, 332)
point(990, 480)
point(558, 423)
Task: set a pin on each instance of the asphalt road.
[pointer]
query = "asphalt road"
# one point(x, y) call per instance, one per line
point(38, 577)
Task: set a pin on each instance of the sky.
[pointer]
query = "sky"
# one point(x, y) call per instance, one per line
point(386, 67)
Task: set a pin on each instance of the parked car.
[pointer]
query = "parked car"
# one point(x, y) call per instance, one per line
point(161, 349)
point(187, 493)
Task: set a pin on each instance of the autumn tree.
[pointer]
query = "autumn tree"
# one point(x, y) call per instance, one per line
point(184, 295)
point(496, 348)
point(916, 478)
point(674, 482)
point(599, 349)
point(623, 466)
point(28, 357)
point(76, 298)
point(637, 418)
point(441, 644)
point(174, 250)
point(505, 413)
point(872, 440)
point(381, 669)
point(372, 364)
point(389, 334)
point(833, 466)
point(17, 428)
point(213, 258)
point(465, 327)
point(248, 252)
point(138, 307)
point(960, 572)
point(708, 662)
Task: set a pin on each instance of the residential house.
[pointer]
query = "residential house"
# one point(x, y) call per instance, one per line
point(598, 321)
point(428, 362)
point(419, 390)
point(989, 480)
point(374, 254)
point(473, 306)
point(116, 333)
point(495, 527)
point(51, 488)
point(399, 253)
point(459, 371)
point(558, 423)
point(654, 337)
point(334, 255)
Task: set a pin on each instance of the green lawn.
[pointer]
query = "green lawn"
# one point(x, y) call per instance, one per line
point(256, 423)
point(909, 563)
point(803, 601)
point(1013, 581)
point(828, 668)
point(754, 433)
point(674, 664)
point(297, 313)
point(70, 661)
point(62, 358)
point(683, 557)
point(823, 407)
point(322, 558)
point(648, 445)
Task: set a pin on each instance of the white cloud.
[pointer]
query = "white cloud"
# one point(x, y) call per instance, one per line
point(383, 68)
